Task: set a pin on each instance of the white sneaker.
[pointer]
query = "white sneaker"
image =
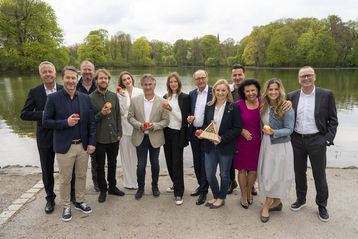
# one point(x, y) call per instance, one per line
point(178, 200)
point(170, 189)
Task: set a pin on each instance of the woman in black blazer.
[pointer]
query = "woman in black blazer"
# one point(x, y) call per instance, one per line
point(227, 117)
point(176, 134)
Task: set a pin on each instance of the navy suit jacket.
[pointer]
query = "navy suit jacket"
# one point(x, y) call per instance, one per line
point(193, 96)
point(230, 128)
point(33, 111)
point(325, 112)
point(56, 114)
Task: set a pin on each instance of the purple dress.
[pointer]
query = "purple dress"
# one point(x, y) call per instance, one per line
point(247, 155)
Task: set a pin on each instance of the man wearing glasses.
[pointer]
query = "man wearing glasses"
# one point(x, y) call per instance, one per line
point(315, 128)
point(198, 99)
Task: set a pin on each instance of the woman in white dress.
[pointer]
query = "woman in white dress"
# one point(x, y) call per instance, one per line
point(126, 91)
point(275, 168)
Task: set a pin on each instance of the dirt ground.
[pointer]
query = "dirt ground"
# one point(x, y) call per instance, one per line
point(125, 217)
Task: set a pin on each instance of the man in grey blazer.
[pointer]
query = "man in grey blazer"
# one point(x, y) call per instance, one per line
point(315, 128)
point(148, 118)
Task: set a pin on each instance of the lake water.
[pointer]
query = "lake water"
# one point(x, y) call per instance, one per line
point(17, 137)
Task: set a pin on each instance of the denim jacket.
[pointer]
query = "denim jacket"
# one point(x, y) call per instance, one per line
point(282, 128)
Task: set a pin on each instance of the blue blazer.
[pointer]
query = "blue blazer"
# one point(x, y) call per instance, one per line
point(56, 114)
point(193, 96)
point(230, 128)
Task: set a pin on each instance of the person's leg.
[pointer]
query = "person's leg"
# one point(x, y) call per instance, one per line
point(154, 162)
point(266, 207)
point(81, 163)
point(210, 167)
point(47, 158)
point(251, 178)
point(142, 153)
point(112, 153)
point(168, 152)
point(100, 158)
point(204, 185)
point(242, 177)
point(94, 171)
point(65, 164)
point(225, 162)
point(300, 167)
point(196, 151)
point(178, 173)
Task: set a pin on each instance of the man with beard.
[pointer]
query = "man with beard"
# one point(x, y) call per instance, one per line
point(87, 85)
point(70, 114)
point(106, 110)
point(33, 110)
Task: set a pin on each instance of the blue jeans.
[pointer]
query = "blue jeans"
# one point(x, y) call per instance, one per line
point(212, 159)
point(142, 153)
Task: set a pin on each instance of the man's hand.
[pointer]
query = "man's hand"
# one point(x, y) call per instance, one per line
point(150, 126)
point(119, 138)
point(287, 105)
point(105, 111)
point(90, 149)
point(72, 121)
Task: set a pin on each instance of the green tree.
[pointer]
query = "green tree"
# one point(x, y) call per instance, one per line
point(196, 55)
point(181, 51)
point(159, 50)
point(209, 45)
point(324, 50)
point(29, 34)
point(254, 52)
point(141, 51)
point(305, 45)
point(92, 50)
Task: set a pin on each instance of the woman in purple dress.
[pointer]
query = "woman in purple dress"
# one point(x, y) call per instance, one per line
point(248, 143)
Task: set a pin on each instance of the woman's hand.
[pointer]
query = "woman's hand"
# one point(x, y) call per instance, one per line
point(246, 134)
point(268, 132)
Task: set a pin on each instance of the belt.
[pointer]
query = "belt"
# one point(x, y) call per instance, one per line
point(306, 136)
point(76, 141)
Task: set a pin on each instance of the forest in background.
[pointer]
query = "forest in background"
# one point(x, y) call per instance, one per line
point(29, 34)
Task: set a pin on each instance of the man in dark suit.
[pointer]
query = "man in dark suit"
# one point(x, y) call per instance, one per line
point(70, 114)
point(198, 99)
point(33, 110)
point(315, 128)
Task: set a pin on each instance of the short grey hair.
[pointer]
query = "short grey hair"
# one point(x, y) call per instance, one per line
point(47, 63)
point(306, 67)
point(147, 77)
point(87, 62)
point(206, 73)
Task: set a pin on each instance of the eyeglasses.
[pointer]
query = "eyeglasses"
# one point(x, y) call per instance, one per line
point(308, 76)
point(200, 78)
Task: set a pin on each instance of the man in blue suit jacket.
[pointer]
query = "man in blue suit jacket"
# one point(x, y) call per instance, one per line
point(70, 114)
point(198, 99)
point(33, 111)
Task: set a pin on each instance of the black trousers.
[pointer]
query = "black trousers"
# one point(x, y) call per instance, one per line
point(232, 171)
point(174, 158)
point(47, 159)
point(111, 150)
point(314, 147)
point(197, 148)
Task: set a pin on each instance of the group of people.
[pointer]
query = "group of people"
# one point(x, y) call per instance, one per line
point(266, 137)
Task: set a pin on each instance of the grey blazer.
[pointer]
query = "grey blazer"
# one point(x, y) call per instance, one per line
point(158, 116)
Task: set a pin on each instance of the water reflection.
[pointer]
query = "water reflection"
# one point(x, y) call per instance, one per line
point(344, 84)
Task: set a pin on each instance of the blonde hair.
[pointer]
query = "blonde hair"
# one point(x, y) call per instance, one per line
point(265, 103)
point(229, 95)
point(169, 90)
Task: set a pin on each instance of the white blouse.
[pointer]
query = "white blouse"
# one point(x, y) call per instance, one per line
point(174, 115)
point(124, 103)
point(218, 115)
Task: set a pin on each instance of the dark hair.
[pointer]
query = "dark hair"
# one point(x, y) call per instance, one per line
point(248, 82)
point(238, 66)
point(169, 90)
point(68, 68)
point(120, 81)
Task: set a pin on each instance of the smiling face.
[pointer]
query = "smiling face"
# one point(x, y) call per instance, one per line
point(127, 80)
point(237, 76)
point(273, 92)
point(70, 81)
point(173, 84)
point(148, 86)
point(221, 92)
point(250, 92)
point(102, 81)
point(47, 74)
point(200, 80)
point(87, 71)
point(306, 78)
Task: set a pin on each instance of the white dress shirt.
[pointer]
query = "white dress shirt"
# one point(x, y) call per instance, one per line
point(305, 122)
point(50, 91)
point(200, 107)
point(174, 115)
point(218, 115)
point(148, 104)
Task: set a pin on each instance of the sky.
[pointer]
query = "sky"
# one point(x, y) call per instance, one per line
point(168, 21)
